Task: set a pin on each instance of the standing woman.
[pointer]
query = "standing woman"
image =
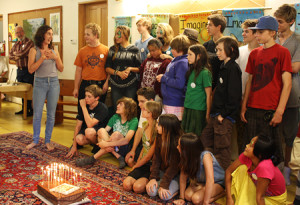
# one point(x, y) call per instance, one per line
point(44, 60)
point(122, 63)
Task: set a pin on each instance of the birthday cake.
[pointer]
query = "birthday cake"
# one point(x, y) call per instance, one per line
point(62, 194)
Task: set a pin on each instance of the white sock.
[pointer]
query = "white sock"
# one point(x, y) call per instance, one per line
point(286, 174)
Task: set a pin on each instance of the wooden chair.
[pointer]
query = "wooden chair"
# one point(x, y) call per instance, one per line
point(66, 90)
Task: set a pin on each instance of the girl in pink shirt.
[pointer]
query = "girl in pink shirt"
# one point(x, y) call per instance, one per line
point(253, 178)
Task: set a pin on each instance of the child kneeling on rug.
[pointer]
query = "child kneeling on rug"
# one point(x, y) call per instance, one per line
point(124, 124)
point(253, 178)
point(207, 177)
point(91, 117)
point(164, 168)
point(138, 177)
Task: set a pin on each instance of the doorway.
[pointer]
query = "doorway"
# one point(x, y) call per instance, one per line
point(1, 27)
point(95, 12)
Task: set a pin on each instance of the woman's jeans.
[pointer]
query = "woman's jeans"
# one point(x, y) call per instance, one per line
point(44, 88)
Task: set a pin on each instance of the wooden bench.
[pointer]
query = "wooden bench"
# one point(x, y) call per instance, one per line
point(66, 90)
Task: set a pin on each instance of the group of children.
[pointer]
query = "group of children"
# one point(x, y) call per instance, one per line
point(188, 113)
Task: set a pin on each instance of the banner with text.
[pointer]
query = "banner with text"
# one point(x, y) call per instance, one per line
point(124, 21)
point(196, 21)
point(235, 18)
point(297, 24)
point(156, 19)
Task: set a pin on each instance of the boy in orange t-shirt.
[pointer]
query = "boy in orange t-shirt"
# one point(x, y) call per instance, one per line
point(90, 63)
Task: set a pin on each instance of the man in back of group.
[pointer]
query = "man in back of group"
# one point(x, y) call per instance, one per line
point(144, 26)
point(19, 53)
point(90, 62)
point(215, 27)
point(286, 16)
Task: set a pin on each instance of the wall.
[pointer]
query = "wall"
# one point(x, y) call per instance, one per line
point(125, 8)
point(274, 4)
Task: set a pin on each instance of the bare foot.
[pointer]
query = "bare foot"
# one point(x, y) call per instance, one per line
point(31, 145)
point(49, 147)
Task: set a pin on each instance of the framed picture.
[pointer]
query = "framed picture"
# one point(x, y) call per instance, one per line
point(55, 25)
point(30, 26)
point(11, 32)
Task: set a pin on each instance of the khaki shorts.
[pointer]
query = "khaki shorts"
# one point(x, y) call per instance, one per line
point(295, 155)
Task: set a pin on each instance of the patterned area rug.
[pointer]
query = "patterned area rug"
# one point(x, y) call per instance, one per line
point(20, 173)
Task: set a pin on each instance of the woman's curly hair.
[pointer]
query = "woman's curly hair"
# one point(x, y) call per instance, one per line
point(39, 36)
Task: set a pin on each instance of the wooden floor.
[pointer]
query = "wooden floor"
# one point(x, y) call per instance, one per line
point(63, 134)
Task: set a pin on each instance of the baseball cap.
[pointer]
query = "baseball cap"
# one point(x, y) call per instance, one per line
point(266, 22)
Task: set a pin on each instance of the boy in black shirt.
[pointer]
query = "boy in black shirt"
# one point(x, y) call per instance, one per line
point(92, 116)
point(216, 136)
point(215, 27)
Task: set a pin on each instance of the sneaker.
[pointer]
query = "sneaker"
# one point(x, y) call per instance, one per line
point(79, 146)
point(19, 113)
point(85, 161)
point(122, 162)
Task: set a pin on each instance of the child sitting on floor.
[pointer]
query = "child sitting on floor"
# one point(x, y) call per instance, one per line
point(164, 168)
point(124, 124)
point(253, 178)
point(205, 173)
point(138, 177)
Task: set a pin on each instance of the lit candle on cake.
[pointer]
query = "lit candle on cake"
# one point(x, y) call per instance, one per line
point(42, 173)
point(54, 180)
point(48, 177)
point(76, 176)
point(59, 170)
point(71, 173)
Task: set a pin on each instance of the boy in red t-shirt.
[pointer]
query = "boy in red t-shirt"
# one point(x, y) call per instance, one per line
point(268, 86)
